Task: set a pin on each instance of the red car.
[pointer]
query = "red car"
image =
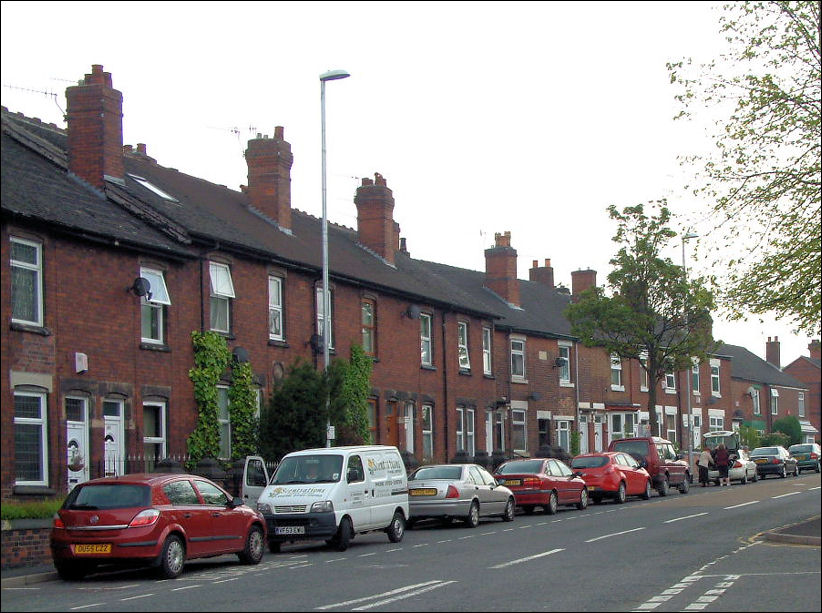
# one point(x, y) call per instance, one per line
point(158, 520)
point(613, 475)
point(542, 482)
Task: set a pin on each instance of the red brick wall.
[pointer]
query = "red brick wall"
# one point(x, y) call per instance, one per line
point(25, 547)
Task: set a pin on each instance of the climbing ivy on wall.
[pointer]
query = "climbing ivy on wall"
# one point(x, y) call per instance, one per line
point(242, 407)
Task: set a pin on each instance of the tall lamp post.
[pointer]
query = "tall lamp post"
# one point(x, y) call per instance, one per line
point(689, 373)
point(331, 75)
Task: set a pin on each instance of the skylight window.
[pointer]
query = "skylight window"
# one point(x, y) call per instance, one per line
point(150, 186)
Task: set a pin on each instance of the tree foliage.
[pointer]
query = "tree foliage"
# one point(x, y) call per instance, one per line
point(790, 426)
point(763, 176)
point(654, 314)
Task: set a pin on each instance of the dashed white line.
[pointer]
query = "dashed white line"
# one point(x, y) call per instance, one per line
point(87, 606)
point(744, 504)
point(399, 590)
point(784, 495)
point(613, 534)
point(136, 597)
point(670, 521)
point(187, 587)
point(528, 559)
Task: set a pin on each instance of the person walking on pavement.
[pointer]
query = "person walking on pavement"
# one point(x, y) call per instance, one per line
point(704, 463)
point(722, 458)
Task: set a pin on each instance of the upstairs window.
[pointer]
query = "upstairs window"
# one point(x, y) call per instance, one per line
point(321, 316)
point(670, 382)
point(643, 372)
point(222, 292)
point(369, 327)
point(462, 345)
point(518, 359)
point(800, 401)
point(153, 307)
point(565, 369)
point(275, 308)
point(426, 355)
point(486, 351)
point(26, 282)
point(695, 378)
point(616, 373)
point(715, 391)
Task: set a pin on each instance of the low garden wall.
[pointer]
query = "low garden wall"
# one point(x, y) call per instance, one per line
point(25, 542)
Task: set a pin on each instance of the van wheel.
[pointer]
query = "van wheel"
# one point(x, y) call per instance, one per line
point(472, 519)
point(343, 538)
point(173, 557)
point(646, 495)
point(664, 489)
point(274, 546)
point(396, 528)
point(551, 507)
point(510, 510)
point(253, 551)
point(583, 499)
point(685, 486)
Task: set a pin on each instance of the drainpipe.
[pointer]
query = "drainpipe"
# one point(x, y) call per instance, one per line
point(576, 388)
point(445, 386)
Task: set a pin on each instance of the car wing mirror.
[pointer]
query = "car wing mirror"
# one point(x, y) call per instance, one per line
point(236, 502)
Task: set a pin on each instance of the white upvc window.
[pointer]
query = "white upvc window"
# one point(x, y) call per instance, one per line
point(462, 345)
point(715, 390)
point(26, 281)
point(757, 406)
point(519, 434)
point(460, 429)
point(153, 307)
point(695, 378)
point(275, 308)
point(154, 433)
point(774, 402)
point(427, 432)
point(222, 292)
point(518, 359)
point(565, 369)
point(616, 373)
point(368, 319)
point(470, 438)
point(670, 382)
point(800, 402)
point(224, 421)
point(30, 444)
point(486, 351)
point(408, 420)
point(426, 349)
point(321, 315)
point(643, 373)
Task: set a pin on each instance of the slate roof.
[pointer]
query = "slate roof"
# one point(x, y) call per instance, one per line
point(37, 186)
point(750, 367)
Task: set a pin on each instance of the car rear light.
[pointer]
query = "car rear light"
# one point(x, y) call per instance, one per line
point(58, 523)
point(145, 518)
point(531, 482)
point(737, 464)
point(452, 492)
point(814, 456)
point(776, 461)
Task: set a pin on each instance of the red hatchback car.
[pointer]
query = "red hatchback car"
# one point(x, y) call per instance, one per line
point(158, 520)
point(613, 475)
point(542, 482)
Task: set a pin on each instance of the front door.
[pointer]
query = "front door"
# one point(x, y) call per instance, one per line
point(583, 434)
point(78, 457)
point(114, 444)
point(598, 433)
point(392, 424)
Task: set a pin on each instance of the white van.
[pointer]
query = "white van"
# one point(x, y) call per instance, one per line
point(334, 493)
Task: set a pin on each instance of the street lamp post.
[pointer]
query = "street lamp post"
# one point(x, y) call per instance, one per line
point(689, 373)
point(331, 75)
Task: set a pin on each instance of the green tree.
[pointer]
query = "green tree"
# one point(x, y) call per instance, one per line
point(350, 386)
point(775, 438)
point(763, 175)
point(654, 315)
point(790, 426)
point(749, 437)
point(296, 415)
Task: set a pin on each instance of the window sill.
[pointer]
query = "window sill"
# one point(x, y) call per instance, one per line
point(33, 490)
point(617, 388)
point(34, 329)
point(428, 367)
point(465, 372)
point(520, 381)
point(566, 384)
point(153, 347)
point(488, 375)
point(273, 342)
point(670, 391)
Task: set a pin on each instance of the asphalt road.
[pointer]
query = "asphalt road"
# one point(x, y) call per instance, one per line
point(702, 551)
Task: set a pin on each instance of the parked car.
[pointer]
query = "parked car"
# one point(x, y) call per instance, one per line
point(807, 456)
point(774, 461)
point(658, 457)
point(612, 474)
point(542, 482)
point(743, 469)
point(457, 491)
point(152, 519)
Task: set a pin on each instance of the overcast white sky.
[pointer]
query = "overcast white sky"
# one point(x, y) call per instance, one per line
point(483, 117)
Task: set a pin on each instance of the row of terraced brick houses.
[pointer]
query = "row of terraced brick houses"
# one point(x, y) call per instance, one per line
point(96, 369)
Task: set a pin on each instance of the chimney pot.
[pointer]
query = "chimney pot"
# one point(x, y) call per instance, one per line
point(376, 228)
point(269, 163)
point(501, 269)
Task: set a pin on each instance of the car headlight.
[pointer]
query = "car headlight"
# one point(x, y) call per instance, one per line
point(264, 508)
point(323, 506)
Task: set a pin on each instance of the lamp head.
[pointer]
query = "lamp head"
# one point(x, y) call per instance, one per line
point(689, 236)
point(333, 75)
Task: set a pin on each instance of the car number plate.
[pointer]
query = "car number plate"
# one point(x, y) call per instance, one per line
point(513, 482)
point(85, 549)
point(289, 530)
point(760, 460)
point(801, 457)
point(591, 488)
point(423, 491)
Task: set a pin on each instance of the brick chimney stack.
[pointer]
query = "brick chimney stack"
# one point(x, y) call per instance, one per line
point(772, 351)
point(501, 269)
point(815, 349)
point(94, 114)
point(582, 280)
point(269, 176)
point(376, 227)
point(544, 275)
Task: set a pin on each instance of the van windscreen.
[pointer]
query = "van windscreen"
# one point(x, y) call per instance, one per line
point(319, 468)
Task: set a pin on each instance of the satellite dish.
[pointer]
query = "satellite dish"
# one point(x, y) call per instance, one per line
point(240, 355)
point(141, 287)
point(413, 311)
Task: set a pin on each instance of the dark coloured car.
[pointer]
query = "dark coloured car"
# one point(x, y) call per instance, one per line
point(158, 520)
point(612, 475)
point(657, 456)
point(807, 456)
point(774, 461)
point(542, 482)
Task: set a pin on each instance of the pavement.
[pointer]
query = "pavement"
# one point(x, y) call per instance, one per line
point(802, 533)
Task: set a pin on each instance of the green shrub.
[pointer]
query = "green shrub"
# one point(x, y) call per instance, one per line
point(30, 510)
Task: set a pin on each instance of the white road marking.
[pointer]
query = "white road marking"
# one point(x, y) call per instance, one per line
point(670, 521)
point(784, 495)
point(136, 597)
point(528, 559)
point(614, 534)
point(744, 504)
point(187, 587)
point(399, 590)
point(87, 606)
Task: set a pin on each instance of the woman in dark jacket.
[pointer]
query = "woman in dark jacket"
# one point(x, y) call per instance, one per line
point(722, 459)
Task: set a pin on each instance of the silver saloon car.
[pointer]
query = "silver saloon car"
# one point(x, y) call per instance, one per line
point(457, 491)
point(743, 469)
